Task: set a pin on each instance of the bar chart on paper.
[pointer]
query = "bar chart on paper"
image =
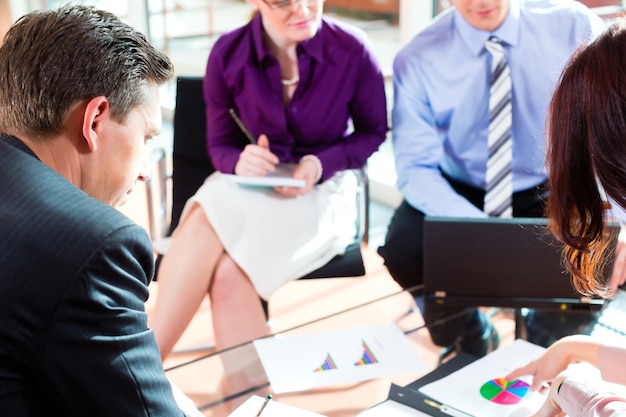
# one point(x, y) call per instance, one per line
point(328, 364)
point(368, 357)
point(357, 354)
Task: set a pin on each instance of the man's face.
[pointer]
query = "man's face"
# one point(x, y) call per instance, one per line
point(121, 158)
point(485, 15)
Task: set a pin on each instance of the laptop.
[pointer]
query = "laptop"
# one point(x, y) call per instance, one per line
point(498, 262)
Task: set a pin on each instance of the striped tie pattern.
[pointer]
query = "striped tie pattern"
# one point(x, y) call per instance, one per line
point(499, 178)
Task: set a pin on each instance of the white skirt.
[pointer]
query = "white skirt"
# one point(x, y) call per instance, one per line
point(276, 239)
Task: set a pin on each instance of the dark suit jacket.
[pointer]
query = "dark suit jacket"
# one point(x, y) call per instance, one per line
point(74, 276)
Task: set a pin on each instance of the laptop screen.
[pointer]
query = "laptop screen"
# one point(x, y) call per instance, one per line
point(497, 262)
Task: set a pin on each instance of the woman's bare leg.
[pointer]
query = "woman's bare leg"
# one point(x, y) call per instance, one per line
point(237, 312)
point(184, 278)
point(238, 317)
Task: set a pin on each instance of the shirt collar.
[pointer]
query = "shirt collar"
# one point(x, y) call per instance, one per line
point(257, 37)
point(507, 32)
point(312, 47)
point(13, 141)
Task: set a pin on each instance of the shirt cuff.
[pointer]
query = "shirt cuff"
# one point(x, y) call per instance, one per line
point(579, 399)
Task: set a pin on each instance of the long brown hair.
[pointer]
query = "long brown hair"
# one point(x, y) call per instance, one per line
point(587, 148)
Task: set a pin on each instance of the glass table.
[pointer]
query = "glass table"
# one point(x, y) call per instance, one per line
point(219, 381)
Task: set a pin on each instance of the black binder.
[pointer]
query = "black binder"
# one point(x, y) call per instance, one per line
point(412, 397)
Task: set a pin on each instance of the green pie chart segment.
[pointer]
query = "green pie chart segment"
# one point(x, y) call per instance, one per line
point(501, 391)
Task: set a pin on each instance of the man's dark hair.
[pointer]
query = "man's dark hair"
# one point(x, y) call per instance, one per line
point(51, 60)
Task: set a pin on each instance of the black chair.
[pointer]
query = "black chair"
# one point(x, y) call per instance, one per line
point(191, 165)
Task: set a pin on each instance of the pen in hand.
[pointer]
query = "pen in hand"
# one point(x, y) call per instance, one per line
point(243, 128)
point(267, 399)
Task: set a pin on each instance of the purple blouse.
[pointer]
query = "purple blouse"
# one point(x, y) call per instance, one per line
point(341, 86)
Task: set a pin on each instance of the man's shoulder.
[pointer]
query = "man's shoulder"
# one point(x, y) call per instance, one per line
point(439, 29)
point(432, 39)
point(94, 222)
point(560, 20)
point(101, 217)
point(68, 225)
point(554, 7)
point(51, 202)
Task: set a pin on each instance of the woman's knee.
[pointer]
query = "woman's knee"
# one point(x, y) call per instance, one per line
point(195, 221)
point(229, 281)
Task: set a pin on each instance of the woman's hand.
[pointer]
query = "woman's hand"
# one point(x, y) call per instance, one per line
point(543, 370)
point(550, 407)
point(583, 380)
point(555, 359)
point(309, 169)
point(256, 160)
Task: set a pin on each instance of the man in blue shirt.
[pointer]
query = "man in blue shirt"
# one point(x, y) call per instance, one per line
point(441, 120)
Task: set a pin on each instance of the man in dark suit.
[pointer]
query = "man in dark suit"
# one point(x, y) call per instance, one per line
point(79, 100)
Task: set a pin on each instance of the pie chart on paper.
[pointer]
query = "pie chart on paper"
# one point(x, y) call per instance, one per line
point(501, 391)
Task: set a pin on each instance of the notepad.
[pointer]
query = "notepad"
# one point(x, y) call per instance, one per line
point(282, 177)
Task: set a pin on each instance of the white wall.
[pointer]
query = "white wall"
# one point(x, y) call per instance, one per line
point(414, 16)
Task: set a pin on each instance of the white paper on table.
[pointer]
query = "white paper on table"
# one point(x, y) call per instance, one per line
point(390, 408)
point(461, 389)
point(357, 354)
point(251, 408)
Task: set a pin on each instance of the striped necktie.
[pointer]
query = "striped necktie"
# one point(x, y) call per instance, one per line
point(499, 178)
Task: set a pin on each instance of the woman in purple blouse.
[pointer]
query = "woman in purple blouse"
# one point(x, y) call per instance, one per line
point(311, 93)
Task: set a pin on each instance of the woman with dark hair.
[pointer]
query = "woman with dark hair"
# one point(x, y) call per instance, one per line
point(587, 155)
point(587, 164)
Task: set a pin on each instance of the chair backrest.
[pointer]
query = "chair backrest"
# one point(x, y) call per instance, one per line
point(191, 163)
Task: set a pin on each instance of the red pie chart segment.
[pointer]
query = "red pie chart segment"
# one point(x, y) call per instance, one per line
point(501, 391)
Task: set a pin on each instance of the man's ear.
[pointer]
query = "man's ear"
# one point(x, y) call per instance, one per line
point(96, 111)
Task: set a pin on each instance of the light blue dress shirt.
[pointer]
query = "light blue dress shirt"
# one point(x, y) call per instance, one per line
point(441, 98)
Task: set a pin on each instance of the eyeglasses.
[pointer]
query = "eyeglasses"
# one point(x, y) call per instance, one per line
point(277, 4)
